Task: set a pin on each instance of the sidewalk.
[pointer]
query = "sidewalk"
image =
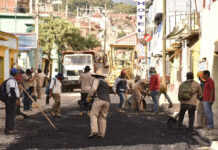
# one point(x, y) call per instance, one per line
point(209, 136)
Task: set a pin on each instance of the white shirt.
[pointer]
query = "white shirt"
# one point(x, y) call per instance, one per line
point(12, 83)
point(55, 85)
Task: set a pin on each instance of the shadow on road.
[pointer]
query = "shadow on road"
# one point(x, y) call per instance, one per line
point(123, 129)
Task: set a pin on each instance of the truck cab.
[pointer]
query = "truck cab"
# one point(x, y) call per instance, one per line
point(73, 65)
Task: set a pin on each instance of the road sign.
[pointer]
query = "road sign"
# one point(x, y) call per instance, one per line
point(147, 37)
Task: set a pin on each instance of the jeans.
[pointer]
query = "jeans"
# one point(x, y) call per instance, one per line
point(47, 100)
point(121, 95)
point(209, 113)
point(27, 103)
point(191, 114)
point(155, 97)
point(10, 114)
point(167, 97)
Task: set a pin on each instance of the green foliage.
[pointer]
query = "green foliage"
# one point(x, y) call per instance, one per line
point(92, 42)
point(124, 8)
point(57, 32)
point(117, 7)
point(121, 34)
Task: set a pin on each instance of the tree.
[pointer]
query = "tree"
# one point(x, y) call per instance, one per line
point(124, 8)
point(121, 34)
point(56, 32)
point(92, 42)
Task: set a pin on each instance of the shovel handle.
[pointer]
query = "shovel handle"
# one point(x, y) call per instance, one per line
point(40, 109)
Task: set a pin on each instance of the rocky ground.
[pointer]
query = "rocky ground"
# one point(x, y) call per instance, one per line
point(124, 131)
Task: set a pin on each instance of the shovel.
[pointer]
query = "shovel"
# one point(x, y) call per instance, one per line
point(172, 121)
point(40, 110)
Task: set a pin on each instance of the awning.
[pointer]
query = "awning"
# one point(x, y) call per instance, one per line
point(182, 30)
point(2, 38)
point(174, 55)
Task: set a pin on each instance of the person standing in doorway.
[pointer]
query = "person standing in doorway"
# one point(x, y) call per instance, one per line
point(11, 102)
point(154, 87)
point(86, 81)
point(55, 92)
point(119, 88)
point(100, 105)
point(208, 99)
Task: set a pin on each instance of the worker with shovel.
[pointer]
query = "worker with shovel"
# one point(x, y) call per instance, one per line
point(55, 92)
point(139, 90)
point(189, 92)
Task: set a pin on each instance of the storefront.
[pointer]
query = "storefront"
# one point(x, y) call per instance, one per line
point(8, 54)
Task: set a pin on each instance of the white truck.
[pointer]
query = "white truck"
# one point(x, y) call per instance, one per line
point(73, 65)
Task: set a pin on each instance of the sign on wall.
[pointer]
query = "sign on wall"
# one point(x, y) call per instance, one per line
point(27, 41)
point(141, 18)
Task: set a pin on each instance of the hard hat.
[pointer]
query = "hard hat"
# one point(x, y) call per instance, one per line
point(200, 75)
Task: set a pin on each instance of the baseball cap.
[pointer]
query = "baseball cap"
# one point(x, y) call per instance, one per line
point(13, 71)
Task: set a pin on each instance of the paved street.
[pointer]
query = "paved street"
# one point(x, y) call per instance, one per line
point(124, 131)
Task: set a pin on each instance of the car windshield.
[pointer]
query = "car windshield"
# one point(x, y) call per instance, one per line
point(77, 60)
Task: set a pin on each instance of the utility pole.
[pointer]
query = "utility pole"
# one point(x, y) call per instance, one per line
point(31, 6)
point(146, 47)
point(105, 26)
point(66, 13)
point(164, 42)
point(90, 15)
point(37, 34)
point(105, 32)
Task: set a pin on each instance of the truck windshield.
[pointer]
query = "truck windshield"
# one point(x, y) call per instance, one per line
point(77, 60)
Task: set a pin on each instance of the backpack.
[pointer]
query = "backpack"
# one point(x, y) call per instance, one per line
point(122, 85)
point(3, 91)
point(47, 87)
point(185, 91)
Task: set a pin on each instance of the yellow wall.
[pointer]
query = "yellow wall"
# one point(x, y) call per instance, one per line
point(2, 55)
point(12, 57)
point(195, 51)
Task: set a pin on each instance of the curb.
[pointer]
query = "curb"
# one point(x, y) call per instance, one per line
point(201, 133)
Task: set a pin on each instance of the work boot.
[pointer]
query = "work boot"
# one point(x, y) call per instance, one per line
point(180, 126)
point(9, 132)
point(19, 117)
point(121, 111)
point(92, 135)
point(88, 113)
point(100, 136)
point(58, 115)
point(81, 113)
point(52, 113)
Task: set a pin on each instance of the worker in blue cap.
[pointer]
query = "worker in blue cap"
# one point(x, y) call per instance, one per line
point(11, 102)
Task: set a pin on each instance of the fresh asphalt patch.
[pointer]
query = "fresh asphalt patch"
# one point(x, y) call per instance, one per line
point(122, 130)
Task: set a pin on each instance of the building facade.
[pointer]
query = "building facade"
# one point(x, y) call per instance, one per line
point(8, 54)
